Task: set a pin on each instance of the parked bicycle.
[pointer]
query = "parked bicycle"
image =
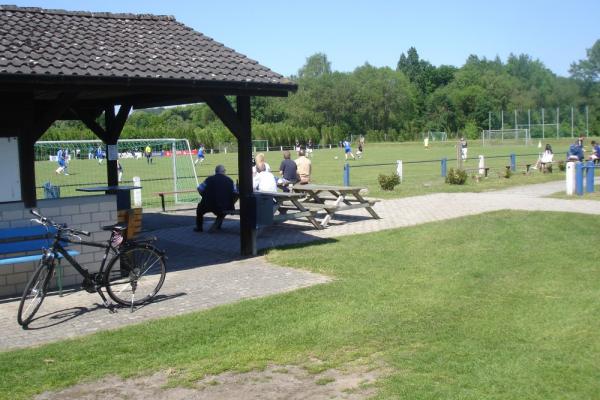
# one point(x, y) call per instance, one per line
point(133, 275)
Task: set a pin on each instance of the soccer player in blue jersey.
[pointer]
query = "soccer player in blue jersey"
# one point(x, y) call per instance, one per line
point(200, 157)
point(348, 150)
point(60, 159)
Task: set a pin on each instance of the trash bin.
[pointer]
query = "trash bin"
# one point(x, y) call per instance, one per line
point(51, 191)
point(264, 210)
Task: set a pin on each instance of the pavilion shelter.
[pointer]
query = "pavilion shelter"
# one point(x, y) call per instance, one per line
point(98, 67)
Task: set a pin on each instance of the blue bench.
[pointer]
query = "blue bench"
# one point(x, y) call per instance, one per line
point(28, 239)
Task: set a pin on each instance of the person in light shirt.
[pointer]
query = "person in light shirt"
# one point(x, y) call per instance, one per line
point(304, 168)
point(264, 180)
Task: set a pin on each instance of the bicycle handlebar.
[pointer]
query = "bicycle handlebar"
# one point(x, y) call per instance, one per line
point(61, 227)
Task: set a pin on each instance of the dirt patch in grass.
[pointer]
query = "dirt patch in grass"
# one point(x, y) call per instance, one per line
point(275, 382)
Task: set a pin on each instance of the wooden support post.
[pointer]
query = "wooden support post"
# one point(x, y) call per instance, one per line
point(27, 170)
point(240, 124)
point(109, 135)
point(247, 201)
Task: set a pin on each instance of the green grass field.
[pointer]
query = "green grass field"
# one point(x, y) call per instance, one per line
point(441, 304)
point(328, 164)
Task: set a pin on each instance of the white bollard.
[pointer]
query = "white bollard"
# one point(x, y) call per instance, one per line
point(570, 178)
point(481, 165)
point(399, 169)
point(137, 193)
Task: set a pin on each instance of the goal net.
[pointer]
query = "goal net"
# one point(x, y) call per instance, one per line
point(435, 136)
point(260, 145)
point(505, 136)
point(169, 167)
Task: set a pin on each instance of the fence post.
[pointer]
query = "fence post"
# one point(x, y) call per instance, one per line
point(346, 174)
point(482, 165)
point(513, 162)
point(570, 178)
point(589, 185)
point(579, 178)
point(444, 166)
point(399, 169)
point(137, 193)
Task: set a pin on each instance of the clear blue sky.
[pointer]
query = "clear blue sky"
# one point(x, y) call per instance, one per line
point(282, 34)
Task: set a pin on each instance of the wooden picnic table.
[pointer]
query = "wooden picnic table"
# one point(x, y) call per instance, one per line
point(289, 207)
point(343, 197)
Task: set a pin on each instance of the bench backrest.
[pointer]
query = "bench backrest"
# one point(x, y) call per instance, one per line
point(31, 238)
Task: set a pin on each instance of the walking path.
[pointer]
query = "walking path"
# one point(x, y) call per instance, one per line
point(206, 271)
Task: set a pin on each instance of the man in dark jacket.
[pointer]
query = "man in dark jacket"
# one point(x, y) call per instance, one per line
point(218, 196)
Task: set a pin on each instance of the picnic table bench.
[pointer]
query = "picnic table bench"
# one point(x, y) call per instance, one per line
point(163, 194)
point(288, 206)
point(19, 243)
point(343, 197)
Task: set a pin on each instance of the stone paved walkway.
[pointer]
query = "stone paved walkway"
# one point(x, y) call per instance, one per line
point(205, 269)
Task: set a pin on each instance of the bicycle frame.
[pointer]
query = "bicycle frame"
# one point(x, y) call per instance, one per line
point(91, 278)
point(119, 253)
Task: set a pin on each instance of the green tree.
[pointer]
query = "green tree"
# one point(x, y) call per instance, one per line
point(315, 66)
point(589, 69)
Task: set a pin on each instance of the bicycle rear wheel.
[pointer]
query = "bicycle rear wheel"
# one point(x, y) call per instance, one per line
point(135, 275)
point(34, 293)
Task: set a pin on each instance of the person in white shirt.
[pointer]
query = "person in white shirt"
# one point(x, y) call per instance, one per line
point(264, 180)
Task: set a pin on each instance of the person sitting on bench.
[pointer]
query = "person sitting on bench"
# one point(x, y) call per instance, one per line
point(575, 152)
point(595, 156)
point(287, 170)
point(218, 196)
point(546, 158)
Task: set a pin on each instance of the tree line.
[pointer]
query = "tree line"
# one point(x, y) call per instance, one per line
point(382, 103)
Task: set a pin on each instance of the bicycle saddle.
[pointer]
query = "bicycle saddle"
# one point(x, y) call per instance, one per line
point(115, 227)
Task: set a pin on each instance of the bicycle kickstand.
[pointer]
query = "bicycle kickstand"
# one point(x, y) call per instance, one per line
point(106, 303)
point(132, 301)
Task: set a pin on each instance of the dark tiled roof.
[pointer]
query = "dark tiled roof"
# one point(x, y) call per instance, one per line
point(48, 43)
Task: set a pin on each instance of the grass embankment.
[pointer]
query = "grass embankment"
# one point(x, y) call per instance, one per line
point(502, 305)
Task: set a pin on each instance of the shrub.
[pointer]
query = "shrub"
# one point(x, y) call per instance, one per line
point(562, 166)
point(456, 176)
point(507, 173)
point(388, 182)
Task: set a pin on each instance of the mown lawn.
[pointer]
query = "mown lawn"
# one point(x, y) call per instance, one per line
point(328, 164)
point(595, 195)
point(497, 306)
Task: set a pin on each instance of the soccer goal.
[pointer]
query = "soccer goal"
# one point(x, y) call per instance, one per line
point(168, 168)
point(505, 136)
point(435, 136)
point(260, 145)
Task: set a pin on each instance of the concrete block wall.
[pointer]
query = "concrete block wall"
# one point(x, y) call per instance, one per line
point(88, 213)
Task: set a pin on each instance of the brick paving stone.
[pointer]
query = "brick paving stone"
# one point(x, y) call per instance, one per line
point(205, 270)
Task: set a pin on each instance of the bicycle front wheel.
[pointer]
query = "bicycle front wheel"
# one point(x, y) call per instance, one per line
point(34, 293)
point(135, 275)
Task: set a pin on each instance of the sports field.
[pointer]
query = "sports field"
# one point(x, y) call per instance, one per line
point(422, 170)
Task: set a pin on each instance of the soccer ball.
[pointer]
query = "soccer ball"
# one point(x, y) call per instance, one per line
point(335, 158)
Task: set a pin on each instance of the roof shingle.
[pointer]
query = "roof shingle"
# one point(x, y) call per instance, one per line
point(42, 42)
